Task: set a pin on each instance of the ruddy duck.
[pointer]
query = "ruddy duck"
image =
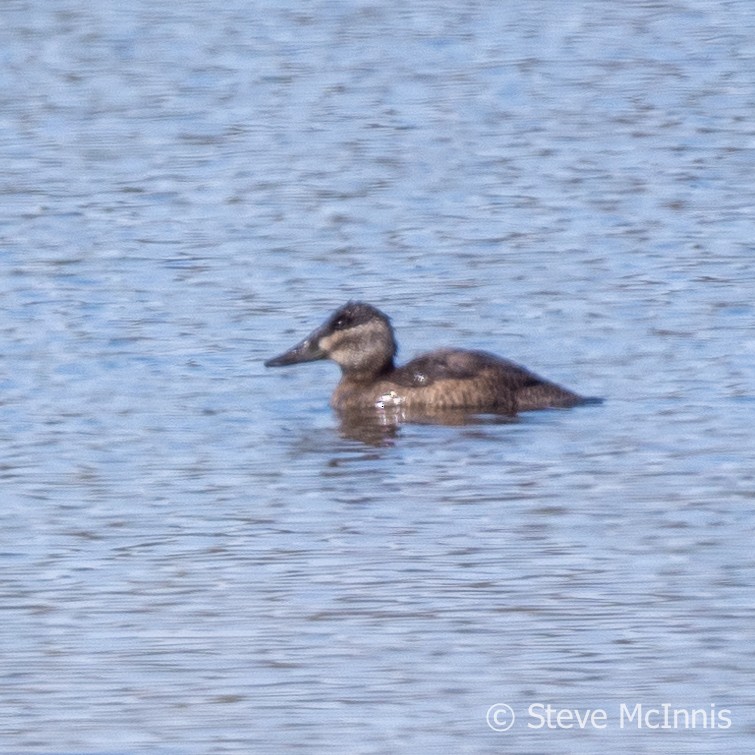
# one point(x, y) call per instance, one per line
point(359, 338)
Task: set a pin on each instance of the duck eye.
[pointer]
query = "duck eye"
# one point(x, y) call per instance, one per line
point(341, 323)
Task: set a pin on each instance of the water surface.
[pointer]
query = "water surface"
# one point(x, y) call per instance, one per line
point(197, 556)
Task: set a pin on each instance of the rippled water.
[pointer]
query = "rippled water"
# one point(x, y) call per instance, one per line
point(197, 557)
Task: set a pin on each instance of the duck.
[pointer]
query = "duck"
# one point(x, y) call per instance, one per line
point(360, 339)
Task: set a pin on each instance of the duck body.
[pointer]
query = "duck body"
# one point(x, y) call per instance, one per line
point(454, 379)
point(359, 338)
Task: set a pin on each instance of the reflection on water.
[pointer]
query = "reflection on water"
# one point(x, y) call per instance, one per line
point(381, 426)
point(198, 556)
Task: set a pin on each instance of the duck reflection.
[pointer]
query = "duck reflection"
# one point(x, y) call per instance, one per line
point(382, 426)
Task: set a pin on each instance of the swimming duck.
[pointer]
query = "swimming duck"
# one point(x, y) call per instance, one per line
point(359, 338)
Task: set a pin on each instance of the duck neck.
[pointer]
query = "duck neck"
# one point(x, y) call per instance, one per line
point(368, 374)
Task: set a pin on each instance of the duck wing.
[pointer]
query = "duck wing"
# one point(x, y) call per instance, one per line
point(461, 364)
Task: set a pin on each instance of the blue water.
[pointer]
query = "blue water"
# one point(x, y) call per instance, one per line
point(196, 555)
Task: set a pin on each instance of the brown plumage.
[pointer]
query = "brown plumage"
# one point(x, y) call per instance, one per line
point(359, 338)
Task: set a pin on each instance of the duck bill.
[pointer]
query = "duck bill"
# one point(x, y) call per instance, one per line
point(307, 350)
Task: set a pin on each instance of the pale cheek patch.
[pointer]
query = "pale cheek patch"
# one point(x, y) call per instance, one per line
point(326, 344)
point(345, 340)
point(353, 347)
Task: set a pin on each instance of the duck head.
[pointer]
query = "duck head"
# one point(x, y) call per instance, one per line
point(357, 336)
